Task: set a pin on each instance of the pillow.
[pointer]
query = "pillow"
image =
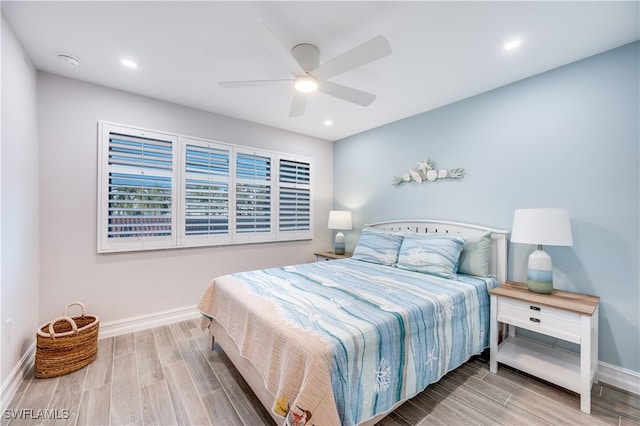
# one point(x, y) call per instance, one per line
point(435, 254)
point(378, 246)
point(474, 259)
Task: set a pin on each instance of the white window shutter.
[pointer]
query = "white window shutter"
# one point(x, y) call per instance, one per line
point(205, 188)
point(158, 191)
point(254, 200)
point(294, 197)
point(138, 194)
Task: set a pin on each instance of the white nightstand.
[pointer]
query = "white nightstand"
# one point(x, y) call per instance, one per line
point(329, 255)
point(562, 314)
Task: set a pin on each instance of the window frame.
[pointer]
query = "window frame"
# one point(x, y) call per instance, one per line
point(179, 237)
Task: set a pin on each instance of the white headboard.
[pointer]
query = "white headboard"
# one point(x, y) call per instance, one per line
point(498, 259)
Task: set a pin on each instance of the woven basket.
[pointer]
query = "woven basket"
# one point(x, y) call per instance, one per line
point(66, 344)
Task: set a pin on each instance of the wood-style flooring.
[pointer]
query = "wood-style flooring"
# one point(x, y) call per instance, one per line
point(168, 376)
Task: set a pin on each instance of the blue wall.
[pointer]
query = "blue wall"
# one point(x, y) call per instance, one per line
point(565, 138)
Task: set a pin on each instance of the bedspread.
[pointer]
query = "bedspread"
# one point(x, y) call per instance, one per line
point(339, 342)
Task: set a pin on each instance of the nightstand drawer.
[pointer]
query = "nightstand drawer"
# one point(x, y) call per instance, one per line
point(541, 319)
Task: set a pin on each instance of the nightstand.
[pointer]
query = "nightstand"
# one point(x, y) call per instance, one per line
point(329, 255)
point(562, 314)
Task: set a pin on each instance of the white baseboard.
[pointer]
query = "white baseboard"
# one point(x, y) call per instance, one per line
point(11, 385)
point(619, 377)
point(144, 322)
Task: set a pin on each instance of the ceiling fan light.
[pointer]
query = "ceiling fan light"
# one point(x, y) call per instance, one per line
point(306, 84)
point(513, 44)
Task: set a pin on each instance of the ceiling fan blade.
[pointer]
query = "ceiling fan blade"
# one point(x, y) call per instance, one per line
point(276, 48)
point(367, 52)
point(347, 93)
point(299, 104)
point(256, 83)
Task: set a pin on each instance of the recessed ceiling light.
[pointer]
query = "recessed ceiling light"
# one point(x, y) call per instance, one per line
point(68, 60)
point(512, 44)
point(128, 63)
point(328, 123)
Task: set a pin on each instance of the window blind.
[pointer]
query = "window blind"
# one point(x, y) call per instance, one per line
point(206, 190)
point(159, 190)
point(294, 195)
point(253, 193)
point(295, 209)
point(295, 172)
point(253, 208)
point(140, 180)
point(253, 167)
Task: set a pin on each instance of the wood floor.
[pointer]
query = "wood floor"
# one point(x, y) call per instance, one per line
point(168, 376)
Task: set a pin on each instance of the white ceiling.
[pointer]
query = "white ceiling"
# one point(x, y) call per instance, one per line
point(442, 51)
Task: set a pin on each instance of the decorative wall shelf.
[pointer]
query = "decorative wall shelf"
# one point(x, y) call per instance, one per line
point(427, 172)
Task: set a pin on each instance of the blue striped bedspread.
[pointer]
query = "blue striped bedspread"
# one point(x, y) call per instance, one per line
point(391, 332)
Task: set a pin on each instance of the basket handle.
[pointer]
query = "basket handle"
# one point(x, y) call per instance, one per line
point(74, 327)
point(70, 305)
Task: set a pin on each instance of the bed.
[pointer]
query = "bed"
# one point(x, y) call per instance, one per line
point(347, 341)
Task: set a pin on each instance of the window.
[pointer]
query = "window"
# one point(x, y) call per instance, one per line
point(158, 190)
point(294, 196)
point(137, 189)
point(254, 203)
point(206, 193)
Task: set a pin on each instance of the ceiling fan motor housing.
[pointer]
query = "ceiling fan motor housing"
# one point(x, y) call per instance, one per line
point(307, 55)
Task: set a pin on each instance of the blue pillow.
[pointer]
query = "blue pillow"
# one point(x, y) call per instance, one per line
point(378, 246)
point(474, 259)
point(435, 254)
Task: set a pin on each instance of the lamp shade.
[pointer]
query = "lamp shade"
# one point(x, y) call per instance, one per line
point(550, 227)
point(339, 219)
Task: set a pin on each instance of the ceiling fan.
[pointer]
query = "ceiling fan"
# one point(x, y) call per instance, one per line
point(303, 61)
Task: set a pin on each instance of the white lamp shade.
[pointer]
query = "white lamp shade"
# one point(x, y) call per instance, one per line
point(339, 219)
point(550, 227)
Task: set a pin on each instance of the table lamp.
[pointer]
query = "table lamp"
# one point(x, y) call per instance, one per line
point(541, 227)
point(340, 220)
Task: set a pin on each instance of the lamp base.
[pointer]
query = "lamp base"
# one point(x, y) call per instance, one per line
point(539, 272)
point(338, 244)
point(540, 286)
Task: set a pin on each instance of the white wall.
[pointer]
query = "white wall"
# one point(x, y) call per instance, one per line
point(19, 259)
point(121, 286)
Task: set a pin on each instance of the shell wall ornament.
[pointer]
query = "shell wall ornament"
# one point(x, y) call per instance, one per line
point(427, 172)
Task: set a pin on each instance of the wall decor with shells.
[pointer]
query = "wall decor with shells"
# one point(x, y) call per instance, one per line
point(427, 172)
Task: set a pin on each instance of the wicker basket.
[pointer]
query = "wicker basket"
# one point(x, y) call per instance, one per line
point(66, 344)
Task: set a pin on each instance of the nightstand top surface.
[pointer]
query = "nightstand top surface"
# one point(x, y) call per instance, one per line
point(332, 255)
point(567, 300)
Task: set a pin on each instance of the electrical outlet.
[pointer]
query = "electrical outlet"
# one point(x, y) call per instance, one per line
point(7, 330)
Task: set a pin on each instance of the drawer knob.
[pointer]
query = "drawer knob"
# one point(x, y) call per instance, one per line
point(534, 308)
point(532, 319)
